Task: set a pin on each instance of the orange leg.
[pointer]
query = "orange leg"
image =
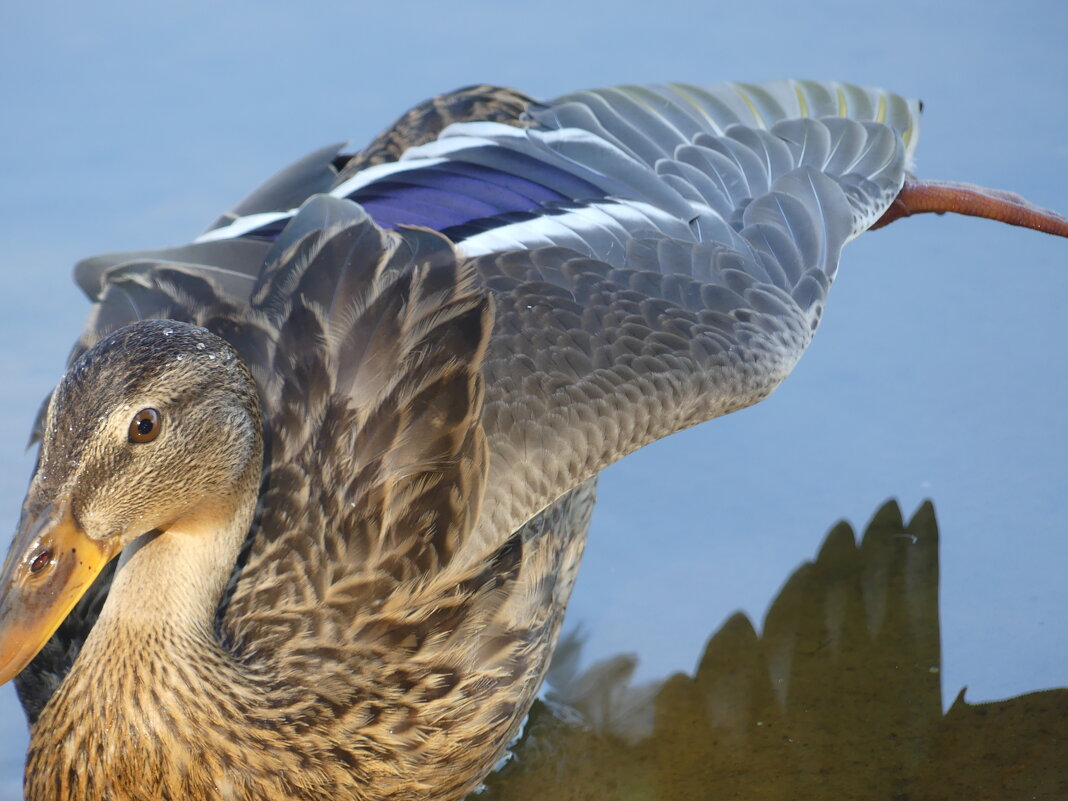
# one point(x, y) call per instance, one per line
point(919, 197)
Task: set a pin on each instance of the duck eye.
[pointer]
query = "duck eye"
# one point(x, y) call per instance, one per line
point(40, 560)
point(145, 426)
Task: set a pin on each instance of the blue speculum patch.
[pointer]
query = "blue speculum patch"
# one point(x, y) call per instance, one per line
point(449, 197)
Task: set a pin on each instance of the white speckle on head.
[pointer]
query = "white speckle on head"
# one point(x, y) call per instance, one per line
point(211, 356)
point(201, 346)
point(168, 331)
point(180, 357)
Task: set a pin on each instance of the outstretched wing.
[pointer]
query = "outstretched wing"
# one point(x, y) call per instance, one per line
point(687, 287)
point(659, 255)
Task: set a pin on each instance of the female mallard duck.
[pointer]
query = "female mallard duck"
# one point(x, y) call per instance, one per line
point(345, 441)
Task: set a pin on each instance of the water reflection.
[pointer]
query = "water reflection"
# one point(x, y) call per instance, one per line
point(839, 698)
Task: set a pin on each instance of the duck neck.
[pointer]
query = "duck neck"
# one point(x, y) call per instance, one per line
point(169, 583)
point(154, 705)
point(174, 579)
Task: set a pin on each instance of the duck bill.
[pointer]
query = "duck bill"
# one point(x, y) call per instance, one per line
point(51, 564)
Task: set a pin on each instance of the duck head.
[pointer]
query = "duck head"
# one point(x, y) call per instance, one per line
point(156, 425)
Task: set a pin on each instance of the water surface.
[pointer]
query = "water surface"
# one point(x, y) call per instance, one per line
point(836, 695)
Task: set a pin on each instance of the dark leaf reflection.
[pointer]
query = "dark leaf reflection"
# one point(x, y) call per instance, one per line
point(839, 698)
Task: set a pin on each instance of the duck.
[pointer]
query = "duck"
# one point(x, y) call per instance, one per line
point(312, 493)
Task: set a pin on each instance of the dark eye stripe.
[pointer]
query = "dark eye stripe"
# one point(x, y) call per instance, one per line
point(145, 426)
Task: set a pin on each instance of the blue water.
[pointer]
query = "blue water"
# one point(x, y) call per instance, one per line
point(938, 372)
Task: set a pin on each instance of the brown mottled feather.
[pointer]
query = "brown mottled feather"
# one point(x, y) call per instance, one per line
point(422, 123)
point(367, 665)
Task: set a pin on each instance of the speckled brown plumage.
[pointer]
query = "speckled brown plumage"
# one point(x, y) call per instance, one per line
point(382, 672)
point(371, 613)
point(422, 123)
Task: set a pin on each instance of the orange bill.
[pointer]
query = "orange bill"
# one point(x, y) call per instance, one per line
point(51, 564)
